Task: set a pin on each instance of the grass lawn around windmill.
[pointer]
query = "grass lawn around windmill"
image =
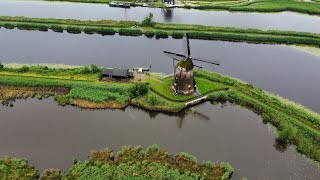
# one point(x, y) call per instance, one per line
point(204, 86)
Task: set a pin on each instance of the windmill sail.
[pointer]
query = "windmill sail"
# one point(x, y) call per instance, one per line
point(186, 45)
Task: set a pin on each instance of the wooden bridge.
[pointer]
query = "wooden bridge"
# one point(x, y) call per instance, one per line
point(195, 101)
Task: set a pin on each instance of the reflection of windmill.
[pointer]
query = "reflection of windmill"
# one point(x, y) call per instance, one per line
point(184, 82)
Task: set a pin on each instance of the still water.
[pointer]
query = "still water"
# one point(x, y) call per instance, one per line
point(84, 11)
point(51, 136)
point(280, 69)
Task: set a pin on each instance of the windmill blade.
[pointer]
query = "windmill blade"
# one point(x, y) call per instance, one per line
point(174, 55)
point(186, 45)
point(206, 61)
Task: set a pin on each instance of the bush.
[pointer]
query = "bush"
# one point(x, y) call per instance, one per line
point(51, 174)
point(1, 66)
point(23, 69)
point(130, 32)
point(28, 26)
point(73, 29)
point(148, 20)
point(177, 35)
point(161, 34)
point(106, 31)
point(94, 68)
point(149, 34)
point(152, 99)
point(56, 28)
point(138, 90)
point(8, 25)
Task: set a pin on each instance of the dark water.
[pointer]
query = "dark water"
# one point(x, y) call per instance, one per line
point(277, 68)
point(51, 136)
point(83, 11)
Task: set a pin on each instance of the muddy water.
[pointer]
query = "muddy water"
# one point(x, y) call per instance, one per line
point(281, 69)
point(51, 136)
point(83, 11)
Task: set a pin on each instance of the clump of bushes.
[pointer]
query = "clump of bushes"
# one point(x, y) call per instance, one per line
point(177, 35)
point(51, 174)
point(73, 29)
point(149, 34)
point(8, 25)
point(153, 99)
point(130, 32)
point(62, 100)
point(106, 31)
point(11, 168)
point(161, 34)
point(56, 28)
point(27, 26)
point(23, 69)
point(148, 20)
point(138, 89)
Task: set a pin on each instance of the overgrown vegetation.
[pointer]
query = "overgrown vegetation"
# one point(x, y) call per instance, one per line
point(129, 163)
point(148, 20)
point(154, 163)
point(11, 168)
point(130, 28)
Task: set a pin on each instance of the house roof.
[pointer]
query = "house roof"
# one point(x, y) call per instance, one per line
point(116, 72)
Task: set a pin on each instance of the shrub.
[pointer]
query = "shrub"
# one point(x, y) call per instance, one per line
point(138, 90)
point(28, 26)
point(94, 68)
point(8, 25)
point(1, 66)
point(51, 174)
point(161, 34)
point(56, 28)
point(149, 34)
point(11, 168)
point(153, 99)
point(73, 29)
point(62, 100)
point(177, 35)
point(85, 70)
point(106, 31)
point(148, 20)
point(23, 69)
point(130, 32)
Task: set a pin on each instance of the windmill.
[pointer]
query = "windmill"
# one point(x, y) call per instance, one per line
point(184, 82)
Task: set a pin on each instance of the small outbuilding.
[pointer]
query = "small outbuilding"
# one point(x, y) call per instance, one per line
point(117, 73)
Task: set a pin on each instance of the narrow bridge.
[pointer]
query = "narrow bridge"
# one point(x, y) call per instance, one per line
point(195, 101)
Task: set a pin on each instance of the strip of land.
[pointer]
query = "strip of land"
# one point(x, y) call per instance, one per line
point(80, 86)
point(269, 6)
point(129, 163)
point(161, 30)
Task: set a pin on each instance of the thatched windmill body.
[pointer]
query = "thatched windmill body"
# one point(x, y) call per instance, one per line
point(184, 82)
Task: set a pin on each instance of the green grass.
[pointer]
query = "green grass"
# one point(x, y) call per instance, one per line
point(204, 86)
point(165, 90)
point(130, 28)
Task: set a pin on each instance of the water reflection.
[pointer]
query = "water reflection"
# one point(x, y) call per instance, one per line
point(167, 14)
point(280, 145)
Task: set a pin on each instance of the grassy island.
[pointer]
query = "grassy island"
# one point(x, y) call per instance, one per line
point(161, 30)
point(80, 86)
point(129, 163)
point(312, 7)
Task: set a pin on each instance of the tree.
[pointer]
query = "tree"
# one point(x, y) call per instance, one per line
point(148, 20)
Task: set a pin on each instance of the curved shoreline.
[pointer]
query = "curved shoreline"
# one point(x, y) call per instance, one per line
point(295, 123)
point(161, 30)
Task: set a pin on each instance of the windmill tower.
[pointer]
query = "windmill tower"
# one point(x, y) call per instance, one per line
point(184, 82)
